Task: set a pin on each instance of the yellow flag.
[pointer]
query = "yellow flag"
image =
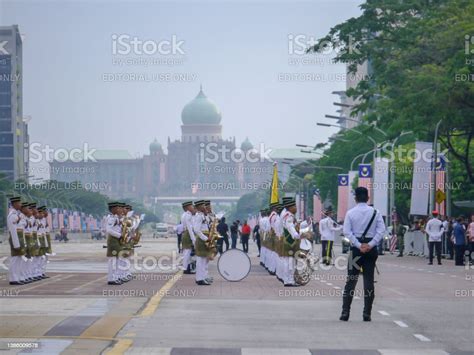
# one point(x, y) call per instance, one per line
point(274, 194)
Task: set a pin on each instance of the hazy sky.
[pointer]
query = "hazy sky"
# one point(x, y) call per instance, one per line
point(238, 50)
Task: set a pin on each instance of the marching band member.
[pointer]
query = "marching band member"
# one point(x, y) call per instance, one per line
point(278, 228)
point(28, 265)
point(35, 252)
point(263, 248)
point(25, 231)
point(17, 250)
point(125, 265)
point(189, 239)
point(113, 230)
point(41, 242)
point(274, 239)
point(201, 228)
point(328, 229)
point(47, 238)
point(290, 242)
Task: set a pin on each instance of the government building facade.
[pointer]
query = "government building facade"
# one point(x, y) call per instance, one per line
point(201, 164)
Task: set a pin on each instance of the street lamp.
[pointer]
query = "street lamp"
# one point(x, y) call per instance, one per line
point(357, 121)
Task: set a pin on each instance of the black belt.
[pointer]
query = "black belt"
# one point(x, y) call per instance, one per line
point(364, 240)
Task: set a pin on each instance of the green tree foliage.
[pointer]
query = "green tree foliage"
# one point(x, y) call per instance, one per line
point(416, 51)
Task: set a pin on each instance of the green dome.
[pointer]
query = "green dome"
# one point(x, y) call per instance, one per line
point(155, 146)
point(201, 110)
point(246, 145)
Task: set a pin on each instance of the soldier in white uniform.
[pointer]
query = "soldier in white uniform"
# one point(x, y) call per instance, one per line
point(35, 246)
point(291, 242)
point(273, 257)
point(364, 227)
point(188, 238)
point(279, 234)
point(201, 231)
point(113, 230)
point(265, 228)
point(435, 230)
point(16, 248)
point(23, 229)
point(328, 229)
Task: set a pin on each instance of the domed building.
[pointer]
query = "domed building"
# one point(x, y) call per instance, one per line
point(201, 164)
point(201, 120)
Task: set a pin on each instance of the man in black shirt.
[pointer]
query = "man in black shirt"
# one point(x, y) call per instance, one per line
point(223, 230)
point(234, 231)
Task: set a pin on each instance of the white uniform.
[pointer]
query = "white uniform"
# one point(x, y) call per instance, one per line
point(434, 228)
point(265, 226)
point(273, 255)
point(288, 220)
point(199, 226)
point(14, 273)
point(278, 229)
point(113, 228)
point(36, 260)
point(187, 223)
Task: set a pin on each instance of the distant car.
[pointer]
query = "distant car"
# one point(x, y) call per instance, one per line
point(161, 230)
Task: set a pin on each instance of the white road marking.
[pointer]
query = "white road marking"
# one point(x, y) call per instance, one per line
point(329, 284)
point(453, 276)
point(400, 324)
point(421, 337)
point(384, 313)
point(337, 287)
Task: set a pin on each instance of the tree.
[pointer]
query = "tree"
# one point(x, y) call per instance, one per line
point(418, 52)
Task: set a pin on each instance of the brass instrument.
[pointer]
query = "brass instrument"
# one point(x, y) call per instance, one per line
point(138, 233)
point(126, 224)
point(211, 242)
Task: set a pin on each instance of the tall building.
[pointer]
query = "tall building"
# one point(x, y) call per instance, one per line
point(13, 129)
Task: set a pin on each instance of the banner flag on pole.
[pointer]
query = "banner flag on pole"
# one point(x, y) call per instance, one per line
point(380, 186)
point(342, 195)
point(317, 207)
point(274, 192)
point(440, 203)
point(420, 189)
point(365, 179)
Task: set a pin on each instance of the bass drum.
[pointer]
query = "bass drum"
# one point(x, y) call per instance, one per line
point(234, 265)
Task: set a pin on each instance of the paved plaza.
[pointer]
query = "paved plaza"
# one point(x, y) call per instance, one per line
point(419, 309)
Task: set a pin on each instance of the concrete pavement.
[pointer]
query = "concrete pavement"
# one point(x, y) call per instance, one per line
point(419, 309)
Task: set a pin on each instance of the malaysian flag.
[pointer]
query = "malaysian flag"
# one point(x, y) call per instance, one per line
point(342, 195)
point(365, 178)
point(317, 207)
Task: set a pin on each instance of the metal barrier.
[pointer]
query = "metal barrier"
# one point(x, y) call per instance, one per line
point(416, 243)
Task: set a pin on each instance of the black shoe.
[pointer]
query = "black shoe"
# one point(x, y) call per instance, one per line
point(290, 285)
point(439, 263)
point(114, 283)
point(399, 255)
point(430, 263)
point(344, 316)
point(45, 276)
point(37, 278)
point(366, 317)
point(16, 283)
point(203, 283)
